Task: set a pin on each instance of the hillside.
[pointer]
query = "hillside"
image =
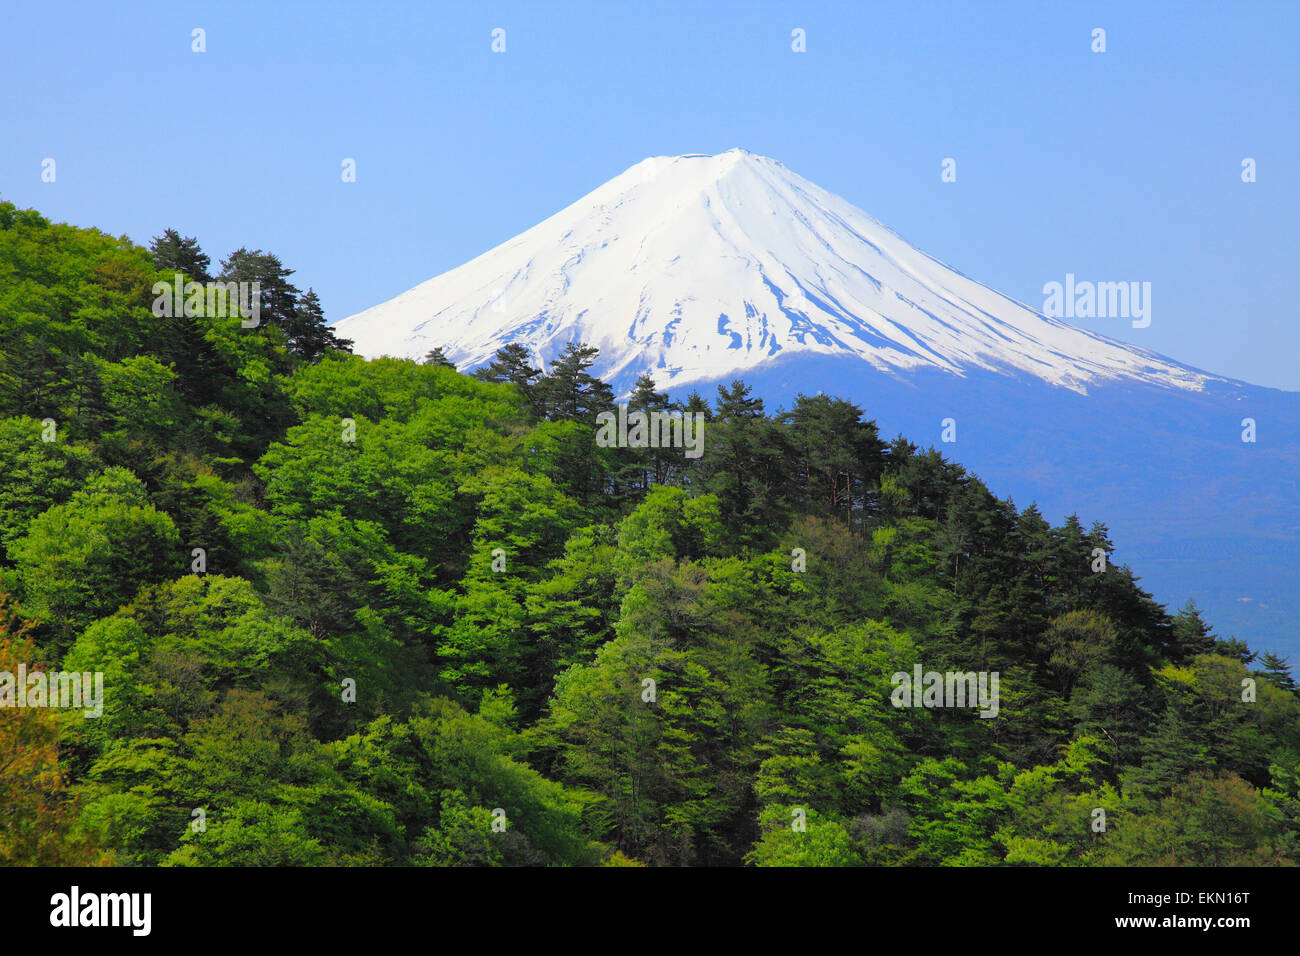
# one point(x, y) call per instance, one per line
point(380, 612)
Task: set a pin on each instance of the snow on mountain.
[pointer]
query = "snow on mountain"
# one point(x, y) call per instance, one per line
point(699, 267)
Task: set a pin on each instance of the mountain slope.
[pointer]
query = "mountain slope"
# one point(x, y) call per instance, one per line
point(699, 267)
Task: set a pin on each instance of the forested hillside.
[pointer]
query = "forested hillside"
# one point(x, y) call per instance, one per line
point(382, 612)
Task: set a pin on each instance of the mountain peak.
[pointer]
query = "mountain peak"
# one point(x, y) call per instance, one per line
point(694, 169)
point(699, 267)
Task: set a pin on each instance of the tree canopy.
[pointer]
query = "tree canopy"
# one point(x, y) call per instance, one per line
point(383, 612)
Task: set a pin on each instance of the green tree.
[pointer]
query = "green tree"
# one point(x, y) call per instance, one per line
point(309, 337)
point(1277, 672)
point(1078, 642)
point(82, 560)
point(819, 841)
point(569, 391)
point(35, 474)
point(839, 460)
point(1108, 703)
point(436, 357)
point(1205, 821)
point(173, 252)
point(745, 467)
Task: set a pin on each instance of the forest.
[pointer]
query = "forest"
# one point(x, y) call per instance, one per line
point(383, 613)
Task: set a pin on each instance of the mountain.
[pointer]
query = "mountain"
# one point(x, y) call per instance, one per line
point(701, 269)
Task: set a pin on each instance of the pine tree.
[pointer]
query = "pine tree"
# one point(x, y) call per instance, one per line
point(436, 357)
point(1191, 634)
point(1277, 672)
point(736, 405)
point(654, 466)
point(697, 404)
point(1169, 754)
point(569, 392)
point(840, 457)
point(1234, 648)
point(30, 376)
point(746, 466)
point(175, 253)
point(309, 337)
point(1072, 556)
point(645, 395)
point(510, 364)
point(929, 479)
point(1109, 704)
point(277, 296)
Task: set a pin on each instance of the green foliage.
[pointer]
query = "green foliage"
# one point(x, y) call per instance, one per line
point(81, 560)
point(437, 624)
point(822, 842)
point(1205, 821)
point(173, 252)
point(252, 833)
point(35, 474)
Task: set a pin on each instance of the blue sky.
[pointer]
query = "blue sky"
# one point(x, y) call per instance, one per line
point(1123, 165)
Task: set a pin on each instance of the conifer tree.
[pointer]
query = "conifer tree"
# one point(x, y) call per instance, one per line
point(569, 391)
point(309, 337)
point(1277, 672)
point(436, 357)
point(173, 252)
point(277, 296)
point(654, 465)
point(1191, 635)
point(511, 364)
point(840, 457)
point(746, 466)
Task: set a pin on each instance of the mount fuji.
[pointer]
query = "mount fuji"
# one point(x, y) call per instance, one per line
point(700, 269)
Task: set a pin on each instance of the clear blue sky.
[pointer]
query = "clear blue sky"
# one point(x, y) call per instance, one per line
point(1116, 166)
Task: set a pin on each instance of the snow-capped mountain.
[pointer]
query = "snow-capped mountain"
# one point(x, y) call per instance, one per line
point(697, 268)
